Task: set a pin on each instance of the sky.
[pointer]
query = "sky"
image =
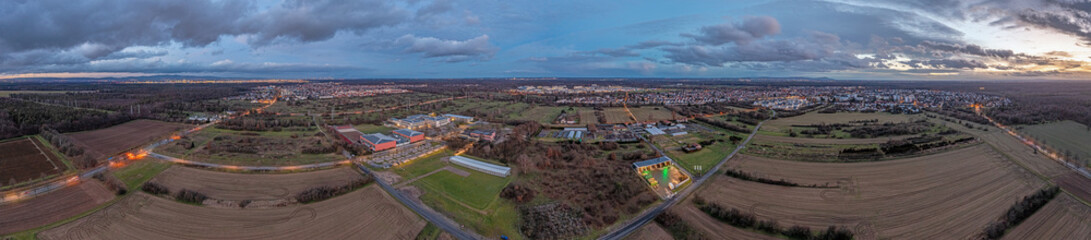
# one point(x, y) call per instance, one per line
point(840, 39)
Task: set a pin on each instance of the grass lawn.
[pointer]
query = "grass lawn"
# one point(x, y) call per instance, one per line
point(371, 128)
point(706, 157)
point(499, 219)
point(477, 190)
point(138, 172)
point(1063, 136)
point(423, 165)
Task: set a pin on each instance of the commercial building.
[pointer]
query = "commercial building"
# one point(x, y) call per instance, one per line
point(491, 169)
point(410, 135)
point(378, 141)
point(458, 118)
point(419, 121)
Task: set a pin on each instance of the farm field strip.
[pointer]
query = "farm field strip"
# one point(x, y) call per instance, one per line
point(244, 186)
point(955, 193)
point(113, 140)
point(52, 207)
point(1062, 218)
point(365, 213)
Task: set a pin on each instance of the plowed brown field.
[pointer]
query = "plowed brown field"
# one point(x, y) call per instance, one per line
point(114, 140)
point(650, 231)
point(1062, 218)
point(27, 159)
point(52, 207)
point(368, 213)
point(946, 195)
point(1075, 184)
point(241, 186)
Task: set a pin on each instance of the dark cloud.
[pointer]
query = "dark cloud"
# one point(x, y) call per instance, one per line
point(815, 46)
point(310, 21)
point(750, 29)
point(477, 48)
point(967, 49)
point(948, 64)
point(97, 28)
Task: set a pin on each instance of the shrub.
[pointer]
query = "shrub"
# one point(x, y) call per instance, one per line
point(155, 188)
point(190, 196)
point(325, 192)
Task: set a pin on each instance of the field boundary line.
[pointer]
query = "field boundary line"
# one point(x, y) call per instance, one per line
point(34, 142)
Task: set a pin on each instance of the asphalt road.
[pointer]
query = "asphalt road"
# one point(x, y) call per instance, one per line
point(637, 222)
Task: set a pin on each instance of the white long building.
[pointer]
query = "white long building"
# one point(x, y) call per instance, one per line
point(488, 168)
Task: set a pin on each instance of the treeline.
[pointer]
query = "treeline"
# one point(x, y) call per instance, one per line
point(918, 144)
point(780, 182)
point(739, 128)
point(890, 129)
point(961, 114)
point(739, 219)
point(265, 122)
point(19, 118)
point(1019, 212)
point(68, 146)
point(325, 192)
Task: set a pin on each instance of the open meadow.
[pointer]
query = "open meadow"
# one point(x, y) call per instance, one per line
point(253, 148)
point(780, 126)
point(951, 194)
point(117, 139)
point(367, 213)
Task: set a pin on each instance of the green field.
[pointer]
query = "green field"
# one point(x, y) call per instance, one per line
point(706, 157)
point(423, 165)
point(472, 200)
point(1065, 136)
point(477, 190)
point(138, 172)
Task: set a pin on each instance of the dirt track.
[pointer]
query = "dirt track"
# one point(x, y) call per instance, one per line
point(113, 140)
point(946, 195)
point(52, 207)
point(368, 213)
point(242, 186)
point(1062, 218)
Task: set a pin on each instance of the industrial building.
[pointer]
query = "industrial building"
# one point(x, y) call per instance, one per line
point(491, 169)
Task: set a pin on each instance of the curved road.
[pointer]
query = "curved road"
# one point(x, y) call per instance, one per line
point(648, 215)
